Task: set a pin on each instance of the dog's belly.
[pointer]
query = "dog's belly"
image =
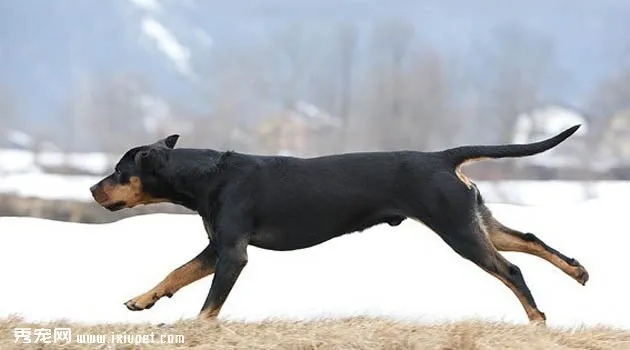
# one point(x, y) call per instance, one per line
point(311, 235)
point(286, 240)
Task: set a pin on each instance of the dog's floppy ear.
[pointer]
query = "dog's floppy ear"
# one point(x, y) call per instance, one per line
point(151, 160)
point(169, 141)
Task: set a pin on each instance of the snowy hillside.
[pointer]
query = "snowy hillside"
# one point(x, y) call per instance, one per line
point(85, 272)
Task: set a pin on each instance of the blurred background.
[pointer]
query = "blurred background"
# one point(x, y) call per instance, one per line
point(81, 81)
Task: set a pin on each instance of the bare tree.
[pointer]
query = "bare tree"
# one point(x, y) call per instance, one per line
point(106, 112)
point(346, 47)
point(517, 68)
point(391, 42)
point(612, 94)
point(609, 125)
point(290, 52)
point(431, 118)
point(233, 87)
point(393, 39)
point(409, 93)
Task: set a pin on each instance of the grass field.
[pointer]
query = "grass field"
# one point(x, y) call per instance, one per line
point(352, 333)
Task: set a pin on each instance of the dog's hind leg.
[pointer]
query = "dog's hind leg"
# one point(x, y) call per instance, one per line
point(463, 230)
point(472, 243)
point(507, 239)
point(199, 267)
point(451, 210)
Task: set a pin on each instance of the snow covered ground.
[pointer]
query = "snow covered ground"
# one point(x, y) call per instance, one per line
point(49, 186)
point(82, 272)
point(16, 161)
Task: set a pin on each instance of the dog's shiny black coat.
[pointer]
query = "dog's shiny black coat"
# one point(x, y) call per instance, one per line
point(287, 203)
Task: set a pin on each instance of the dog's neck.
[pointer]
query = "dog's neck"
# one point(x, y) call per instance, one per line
point(196, 179)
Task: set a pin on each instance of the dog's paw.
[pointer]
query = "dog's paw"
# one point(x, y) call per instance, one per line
point(538, 318)
point(208, 314)
point(142, 302)
point(580, 274)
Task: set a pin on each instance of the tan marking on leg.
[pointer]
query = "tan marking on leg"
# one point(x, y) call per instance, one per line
point(183, 276)
point(186, 274)
point(496, 264)
point(507, 239)
point(534, 315)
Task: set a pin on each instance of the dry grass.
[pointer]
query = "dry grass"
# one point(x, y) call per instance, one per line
point(355, 333)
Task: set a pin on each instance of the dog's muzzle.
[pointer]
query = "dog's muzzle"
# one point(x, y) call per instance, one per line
point(99, 195)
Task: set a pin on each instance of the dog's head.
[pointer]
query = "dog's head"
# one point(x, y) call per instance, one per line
point(135, 178)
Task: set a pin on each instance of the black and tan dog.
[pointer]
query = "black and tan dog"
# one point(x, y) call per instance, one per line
point(286, 203)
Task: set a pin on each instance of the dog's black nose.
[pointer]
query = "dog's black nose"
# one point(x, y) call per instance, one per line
point(93, 188)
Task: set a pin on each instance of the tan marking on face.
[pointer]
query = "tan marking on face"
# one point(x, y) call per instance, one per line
point(130, 193)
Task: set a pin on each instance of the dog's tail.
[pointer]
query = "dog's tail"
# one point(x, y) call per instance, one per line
point(464, 154)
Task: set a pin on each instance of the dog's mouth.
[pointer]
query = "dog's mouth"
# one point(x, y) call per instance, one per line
point(115, 206)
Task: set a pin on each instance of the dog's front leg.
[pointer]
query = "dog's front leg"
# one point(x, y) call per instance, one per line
point(199, 267)
point(232, 260)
